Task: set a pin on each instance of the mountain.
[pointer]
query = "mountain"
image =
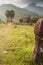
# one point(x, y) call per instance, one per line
point(19, 12)
point(37, 9)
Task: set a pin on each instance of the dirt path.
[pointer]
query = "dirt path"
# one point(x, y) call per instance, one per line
point(6, 27)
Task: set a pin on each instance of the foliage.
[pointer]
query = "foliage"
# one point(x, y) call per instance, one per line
point(25, 19)
point(10, 15)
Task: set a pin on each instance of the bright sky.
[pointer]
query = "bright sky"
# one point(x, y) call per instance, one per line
point(22, 3)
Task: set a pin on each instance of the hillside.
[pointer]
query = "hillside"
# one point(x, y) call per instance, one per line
point(37, 9)
point(19, 12)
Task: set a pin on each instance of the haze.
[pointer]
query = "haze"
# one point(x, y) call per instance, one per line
point(22, 3)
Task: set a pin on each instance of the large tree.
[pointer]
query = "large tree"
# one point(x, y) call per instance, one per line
point(10, 15)
point(7, 15)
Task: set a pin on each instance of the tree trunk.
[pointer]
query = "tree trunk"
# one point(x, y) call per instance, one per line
point(7, 19)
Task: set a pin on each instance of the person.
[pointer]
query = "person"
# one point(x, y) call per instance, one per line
point(38, 48)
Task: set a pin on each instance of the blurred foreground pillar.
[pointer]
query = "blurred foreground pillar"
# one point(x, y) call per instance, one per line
point(38, 48)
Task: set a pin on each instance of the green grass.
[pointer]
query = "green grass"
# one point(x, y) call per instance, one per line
point(16, 44)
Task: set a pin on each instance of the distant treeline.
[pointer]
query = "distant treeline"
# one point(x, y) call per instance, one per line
point(30, 19)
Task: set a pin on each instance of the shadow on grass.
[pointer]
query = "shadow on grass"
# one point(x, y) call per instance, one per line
point(31, 62)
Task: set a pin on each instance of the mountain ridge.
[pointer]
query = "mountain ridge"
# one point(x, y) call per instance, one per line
point(34, 8)
point(19, 12)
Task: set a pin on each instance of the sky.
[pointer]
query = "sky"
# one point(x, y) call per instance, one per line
point(22, 3)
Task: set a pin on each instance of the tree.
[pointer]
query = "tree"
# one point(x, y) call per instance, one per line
point(34, 19)
point(21, 20)
point(10, 15)
point(28, 19)
point(7, 15)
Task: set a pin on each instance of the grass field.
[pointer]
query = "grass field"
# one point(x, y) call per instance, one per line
point(16, 44)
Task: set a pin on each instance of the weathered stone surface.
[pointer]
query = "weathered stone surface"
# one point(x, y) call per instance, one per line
point(38, 49)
